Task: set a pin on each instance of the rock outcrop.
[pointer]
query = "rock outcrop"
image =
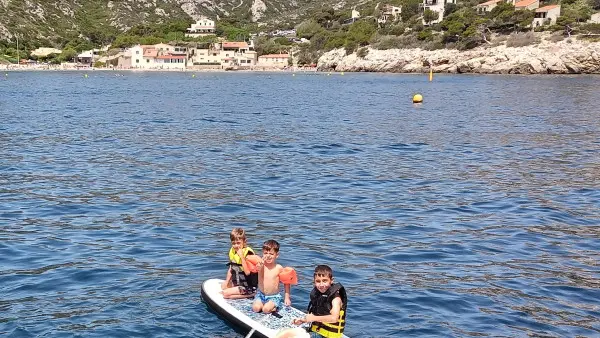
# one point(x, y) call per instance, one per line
point(565, 57)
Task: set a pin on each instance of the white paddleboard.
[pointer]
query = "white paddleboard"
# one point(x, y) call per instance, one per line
point(239, 312)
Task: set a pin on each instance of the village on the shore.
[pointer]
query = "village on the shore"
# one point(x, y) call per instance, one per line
point(221, 54)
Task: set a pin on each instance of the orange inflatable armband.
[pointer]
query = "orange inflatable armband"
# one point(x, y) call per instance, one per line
point(253, 261)
point(288, 276)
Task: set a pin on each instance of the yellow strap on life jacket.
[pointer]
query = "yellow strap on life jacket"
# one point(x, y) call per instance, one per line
point(330, 330)
point(234, 258)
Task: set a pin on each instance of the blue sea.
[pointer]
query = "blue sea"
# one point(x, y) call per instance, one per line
point(474, 214)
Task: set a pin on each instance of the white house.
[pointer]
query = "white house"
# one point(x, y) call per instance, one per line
point(595, 18)
point(437, 6)
point(546, 15)
point(170, 61)
point(87, 57)
point(142, 56)
point(388, 13)
point(202, 27)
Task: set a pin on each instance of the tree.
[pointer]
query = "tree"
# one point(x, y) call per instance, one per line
point(410, 8)
point(67, 55)
point(325, 16)
point(578, 11)
point(361, 32)
point(430, 16)
point(308, 28)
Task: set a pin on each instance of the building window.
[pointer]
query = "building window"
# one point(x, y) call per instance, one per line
point(147, 60)
point(137, 52)
point(137, 60)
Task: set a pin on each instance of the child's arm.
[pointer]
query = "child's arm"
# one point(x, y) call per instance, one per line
point(244, 262)
point(332, 317)
point(287, 299)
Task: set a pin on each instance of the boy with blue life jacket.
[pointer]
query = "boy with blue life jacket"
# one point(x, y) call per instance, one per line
point(242, 277)
point(326, 309)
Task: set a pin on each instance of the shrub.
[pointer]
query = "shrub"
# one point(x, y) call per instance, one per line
point(350, 47)
point(592, 28)
point(555, 38)
point(362, 52)
point(425, 35)
point(521, 39)
point(388, 42)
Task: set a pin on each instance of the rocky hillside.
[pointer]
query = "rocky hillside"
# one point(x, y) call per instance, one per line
point(53, 20)
point(570, 56)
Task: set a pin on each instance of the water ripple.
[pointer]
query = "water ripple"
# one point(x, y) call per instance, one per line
point(465, 218)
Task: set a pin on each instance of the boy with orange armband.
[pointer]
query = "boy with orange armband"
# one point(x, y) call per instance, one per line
point(270, 274)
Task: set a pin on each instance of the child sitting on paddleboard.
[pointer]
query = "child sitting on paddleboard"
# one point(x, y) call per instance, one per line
point(241, 280)
point(326, 309)
point(270, 274)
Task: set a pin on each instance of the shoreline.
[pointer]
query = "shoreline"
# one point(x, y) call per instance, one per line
point(566, 57)
point(45, 68)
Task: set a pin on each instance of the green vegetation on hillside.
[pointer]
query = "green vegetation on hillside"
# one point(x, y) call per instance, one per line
point(76, 26)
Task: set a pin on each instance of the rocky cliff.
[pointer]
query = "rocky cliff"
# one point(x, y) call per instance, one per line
point(569, 56)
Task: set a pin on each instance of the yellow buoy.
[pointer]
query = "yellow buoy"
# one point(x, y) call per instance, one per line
point(430, 74)
point(193, 75)
point(342, 73)
point(85, 75)
point(417, 98)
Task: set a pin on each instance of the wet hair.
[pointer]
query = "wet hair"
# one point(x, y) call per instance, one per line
point(271, 245)
point(237, 234)
point(323, 271)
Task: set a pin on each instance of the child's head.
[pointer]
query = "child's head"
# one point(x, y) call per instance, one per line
point(270, 251)
point(323, 277)
point(238, 238)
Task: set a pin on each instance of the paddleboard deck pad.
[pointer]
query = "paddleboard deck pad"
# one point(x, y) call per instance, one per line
point(239, 312)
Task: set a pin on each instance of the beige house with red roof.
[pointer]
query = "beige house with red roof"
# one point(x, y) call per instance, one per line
point(273, 60)
point(237, 54)
point(546, 15)
point(160, 56)
point(527, 4)
point(487, 6)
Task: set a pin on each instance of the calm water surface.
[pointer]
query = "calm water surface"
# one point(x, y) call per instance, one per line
point(474, 214)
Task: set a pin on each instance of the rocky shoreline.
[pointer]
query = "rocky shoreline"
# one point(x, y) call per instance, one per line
point(570, 56)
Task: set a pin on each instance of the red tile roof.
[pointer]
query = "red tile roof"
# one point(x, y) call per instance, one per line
point(235, 45)
point(546, 8)
point(150, 52)
point(525, 3)
point(487, 3)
